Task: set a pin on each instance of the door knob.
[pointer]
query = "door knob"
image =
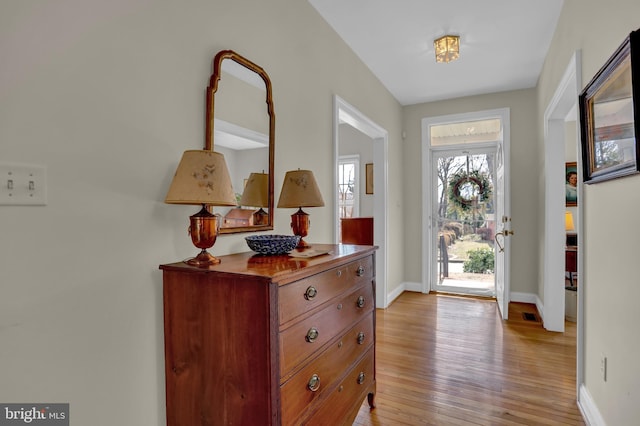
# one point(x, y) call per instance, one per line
point(504, 233)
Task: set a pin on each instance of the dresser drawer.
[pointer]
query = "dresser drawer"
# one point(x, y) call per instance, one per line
point(302, 339)
point(302, 296)
point(341, 406)
point(323, 372)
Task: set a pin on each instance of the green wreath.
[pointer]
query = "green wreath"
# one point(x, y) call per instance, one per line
point(460, 178)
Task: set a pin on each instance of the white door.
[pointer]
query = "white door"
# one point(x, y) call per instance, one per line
point(469, 132)
point(504, 231)
point(464, 221)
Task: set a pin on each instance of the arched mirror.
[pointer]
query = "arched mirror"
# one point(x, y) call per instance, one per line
point(240, 126)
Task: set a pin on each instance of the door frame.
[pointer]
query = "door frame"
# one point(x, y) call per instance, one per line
point(343, 112)
point(563, 104)
point(427, 181)
point(561, 108)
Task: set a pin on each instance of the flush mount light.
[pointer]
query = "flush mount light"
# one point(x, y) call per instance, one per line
point(447, 48)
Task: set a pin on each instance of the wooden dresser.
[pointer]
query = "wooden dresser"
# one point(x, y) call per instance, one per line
point(271, 340)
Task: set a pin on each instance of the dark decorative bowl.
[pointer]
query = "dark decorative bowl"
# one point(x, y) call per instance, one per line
point(272, 244)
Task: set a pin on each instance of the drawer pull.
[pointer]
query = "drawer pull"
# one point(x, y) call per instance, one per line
point(310, 293)
point(360, 271)
point(312, 335)
point(314, 383)
point(361, 338)
point(360, 378)
point(339, 273)
point(360, 302)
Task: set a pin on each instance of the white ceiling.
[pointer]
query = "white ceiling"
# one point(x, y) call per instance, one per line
point(503, 43)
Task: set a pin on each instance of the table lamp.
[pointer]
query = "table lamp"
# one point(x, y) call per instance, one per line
point(300, 189)
point(568, 221)
point(256, 194)
point(202, 178)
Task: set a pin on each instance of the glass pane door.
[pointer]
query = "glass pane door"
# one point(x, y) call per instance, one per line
point(465, 222)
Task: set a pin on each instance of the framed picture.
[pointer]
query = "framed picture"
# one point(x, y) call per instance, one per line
point(571, 184)
point(369, 178)
point(609, 129)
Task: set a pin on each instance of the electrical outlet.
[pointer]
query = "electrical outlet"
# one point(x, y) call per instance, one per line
point(603, 367)
point(23, 184)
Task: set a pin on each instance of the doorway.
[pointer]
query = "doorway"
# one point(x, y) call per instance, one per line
point(378, 138)
point(466, 204)
point(465, 221)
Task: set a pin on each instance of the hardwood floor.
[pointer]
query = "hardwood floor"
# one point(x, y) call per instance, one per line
point(449, 360)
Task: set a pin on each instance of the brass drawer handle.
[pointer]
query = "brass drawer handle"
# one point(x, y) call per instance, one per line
point(360, 378)
point(360, 302)
point(310, 293)
point(314, 383)
point(312, 335)
point(360, 271)
point(361, 338)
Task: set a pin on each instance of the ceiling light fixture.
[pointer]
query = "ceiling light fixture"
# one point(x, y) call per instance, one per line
point(447, 48)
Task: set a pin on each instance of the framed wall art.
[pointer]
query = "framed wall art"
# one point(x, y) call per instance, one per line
point(571, 184)
point(369, 178)
point(610, 116)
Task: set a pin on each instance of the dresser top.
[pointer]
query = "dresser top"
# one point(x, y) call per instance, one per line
point(306, 262)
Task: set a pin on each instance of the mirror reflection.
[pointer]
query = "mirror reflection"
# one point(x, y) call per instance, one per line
point(241, 124)
point(614, 139)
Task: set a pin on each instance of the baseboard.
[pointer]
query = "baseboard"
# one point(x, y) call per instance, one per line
point(405, 286)
point(523, 297)
point(411, 286)
point(588, 409)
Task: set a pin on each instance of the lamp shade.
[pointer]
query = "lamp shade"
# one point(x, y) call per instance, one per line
point(568, 221)
point(202, 177)
point(256, 191)
point(300, 189)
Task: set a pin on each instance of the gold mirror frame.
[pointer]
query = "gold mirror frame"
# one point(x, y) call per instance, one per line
point(211, 90)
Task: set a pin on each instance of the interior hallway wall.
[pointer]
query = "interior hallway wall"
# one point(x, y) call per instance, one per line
point(107, 95)
point(609, 283)
point(524, 134)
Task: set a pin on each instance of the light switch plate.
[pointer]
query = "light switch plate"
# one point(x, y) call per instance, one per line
point(23, 184)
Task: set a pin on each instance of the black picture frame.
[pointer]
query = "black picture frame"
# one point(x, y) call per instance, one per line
point(610, 116)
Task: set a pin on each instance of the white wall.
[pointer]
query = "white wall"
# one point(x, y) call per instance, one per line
point(610, 281)
point(107, 95)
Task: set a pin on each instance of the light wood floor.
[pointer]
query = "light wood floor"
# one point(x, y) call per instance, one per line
point(448, 360)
